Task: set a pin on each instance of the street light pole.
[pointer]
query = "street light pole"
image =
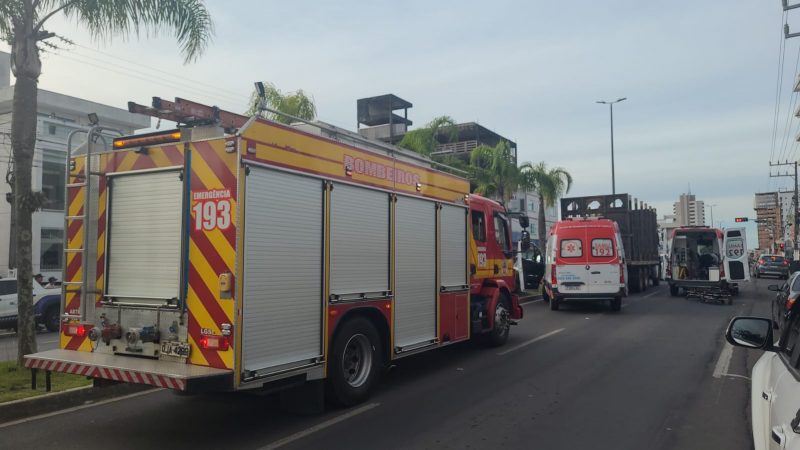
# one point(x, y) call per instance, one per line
point(712, 214)
point(611, 113)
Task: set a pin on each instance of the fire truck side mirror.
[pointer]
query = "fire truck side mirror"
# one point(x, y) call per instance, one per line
point(524, 222)
point(526, 241)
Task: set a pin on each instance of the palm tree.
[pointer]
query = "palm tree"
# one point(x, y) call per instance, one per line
point(296, 104)
point(550, 184)
point(494, 171)
point(22, 24)
point(423, 140)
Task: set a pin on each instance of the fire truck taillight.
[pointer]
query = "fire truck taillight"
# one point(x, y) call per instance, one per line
point(76, 329)
point(214, 343)
point(161, 137)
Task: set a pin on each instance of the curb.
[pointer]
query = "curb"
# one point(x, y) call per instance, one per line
point(42, 404)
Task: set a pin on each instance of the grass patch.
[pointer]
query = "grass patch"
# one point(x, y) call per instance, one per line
point(15, 382)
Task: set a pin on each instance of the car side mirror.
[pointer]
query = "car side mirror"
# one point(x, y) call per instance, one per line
point(774, 287)
point(526, 241)
point(750, 332)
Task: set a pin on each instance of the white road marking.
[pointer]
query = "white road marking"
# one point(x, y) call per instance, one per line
point(721, 369)
point(650, 294)
point(532, 341)
point(532, 301)
point(318, 427)
point(77, 408)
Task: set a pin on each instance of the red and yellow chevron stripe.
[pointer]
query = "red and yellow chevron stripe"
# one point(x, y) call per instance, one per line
point(212, 249)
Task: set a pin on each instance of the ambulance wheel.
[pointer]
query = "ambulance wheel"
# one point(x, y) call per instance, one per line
point(355, 362)
point(554, 303)
point(673, 291)
point(616, 304)
point(502, 323)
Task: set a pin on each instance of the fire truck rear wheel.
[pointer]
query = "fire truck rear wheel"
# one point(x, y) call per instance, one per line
point(502, 323)
point(354, 362)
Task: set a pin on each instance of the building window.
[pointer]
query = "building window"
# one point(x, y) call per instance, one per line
point(52, 249)
point(53, 163)
point(51, 130)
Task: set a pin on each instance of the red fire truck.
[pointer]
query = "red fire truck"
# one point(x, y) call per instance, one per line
point(238, 253)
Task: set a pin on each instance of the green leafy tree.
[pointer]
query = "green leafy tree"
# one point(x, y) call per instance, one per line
point(550, 184)
point(22, 24)
point(424, 140)
point(494, 171)
point(296, 104)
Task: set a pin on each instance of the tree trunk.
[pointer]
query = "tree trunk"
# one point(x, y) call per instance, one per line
point(27, 68)
point(542, 224)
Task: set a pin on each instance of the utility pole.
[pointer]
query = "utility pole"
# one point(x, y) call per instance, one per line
point(794, 197)
point(712, 214)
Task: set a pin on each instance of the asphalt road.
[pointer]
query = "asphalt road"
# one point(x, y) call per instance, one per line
point(45, 340)
point(657, 375)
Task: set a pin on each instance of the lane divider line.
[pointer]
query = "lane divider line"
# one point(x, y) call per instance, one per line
point(532, 341)
point(78, 408)
point(724, 360)
point(319, 427)
point(532, 301)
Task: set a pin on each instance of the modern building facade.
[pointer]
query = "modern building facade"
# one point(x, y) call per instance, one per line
point(665, 227)
point(470, 136)
point(689, 211)
point(58, 116)
point(770, 220)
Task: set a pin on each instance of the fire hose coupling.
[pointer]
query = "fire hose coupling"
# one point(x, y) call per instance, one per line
point(143, 334)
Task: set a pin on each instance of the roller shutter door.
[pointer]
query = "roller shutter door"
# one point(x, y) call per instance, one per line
point(415, 250)
point(282, 269)
point(454, 247)
point(359, 241)
point(144, 237)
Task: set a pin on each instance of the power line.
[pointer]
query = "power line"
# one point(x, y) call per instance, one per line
point(182, 78)
point(82, 59)
point(778, 85)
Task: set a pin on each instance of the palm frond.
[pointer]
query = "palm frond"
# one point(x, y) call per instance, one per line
point(188, 20)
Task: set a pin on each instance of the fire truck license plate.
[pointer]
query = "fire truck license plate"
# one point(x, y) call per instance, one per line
point(171, 348)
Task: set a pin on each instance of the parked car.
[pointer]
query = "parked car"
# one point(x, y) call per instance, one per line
point(772, 265)
point(46, 304)
point(785, 297)
point(532, 267)
point(585, 263)
point(775, 391)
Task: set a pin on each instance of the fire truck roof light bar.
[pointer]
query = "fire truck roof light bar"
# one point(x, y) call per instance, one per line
point(160, 137)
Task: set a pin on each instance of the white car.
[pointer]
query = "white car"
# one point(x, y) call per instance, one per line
point(775, 392)
point(8, 300)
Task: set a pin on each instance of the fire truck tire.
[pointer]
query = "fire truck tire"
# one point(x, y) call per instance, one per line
point(51, 321)
point(673, 290)
point(554, 304)
point(355, 362)
point(616, 304)
point(502, 323)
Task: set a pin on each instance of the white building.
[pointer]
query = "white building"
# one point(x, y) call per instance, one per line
point(58, 115)
point(528, 203)
point(665, 226)
point(689, 211)
point(786, 200)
